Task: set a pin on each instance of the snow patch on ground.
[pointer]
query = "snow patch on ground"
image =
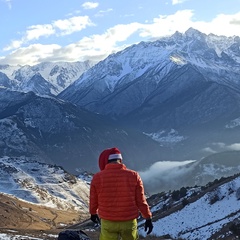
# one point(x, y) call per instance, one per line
point(164, 137)
point(234, 123)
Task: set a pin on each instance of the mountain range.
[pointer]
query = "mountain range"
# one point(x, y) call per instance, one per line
point(171, 106)
point(173, 99)
point(187, 84)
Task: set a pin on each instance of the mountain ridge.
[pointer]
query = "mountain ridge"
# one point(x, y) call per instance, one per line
point(55, 131)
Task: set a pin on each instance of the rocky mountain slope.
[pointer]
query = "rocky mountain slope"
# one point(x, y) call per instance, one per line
point(52, 131)
point(43, 184)
point(40, 197)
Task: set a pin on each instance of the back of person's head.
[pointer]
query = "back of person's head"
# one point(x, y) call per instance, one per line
point(109, 155)
point(114, 155)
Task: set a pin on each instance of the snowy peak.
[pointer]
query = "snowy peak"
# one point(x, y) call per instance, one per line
point(38, 85)
point(193, 33)
point(55, 76)
point(61, 75)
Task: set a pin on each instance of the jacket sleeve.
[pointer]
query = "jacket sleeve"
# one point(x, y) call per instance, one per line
point(93, 203)
point(141, 199)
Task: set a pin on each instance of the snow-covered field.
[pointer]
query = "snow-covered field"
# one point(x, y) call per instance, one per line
point(21, 237)
point(199, 220)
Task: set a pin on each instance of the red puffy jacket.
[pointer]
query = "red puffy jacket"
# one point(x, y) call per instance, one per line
point(117, 194)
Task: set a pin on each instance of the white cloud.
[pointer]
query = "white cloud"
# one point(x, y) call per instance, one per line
point(95, 47)
point(37, 31)
point(164, 173)
point(9, 3)
point(71, 25)
point(209, 150)
point(32, 54)
point(90, 5)
point(101, 13)
point(222, 24)
point(220, 144)
point(99, 46)
point(235, 146)
point(174, 2)
point(120, 33)
point(163, 166)
point(34, 32)
point(58, 27)
point(220, 147)
point(168, 24)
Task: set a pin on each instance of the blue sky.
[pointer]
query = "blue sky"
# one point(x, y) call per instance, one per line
point(34, 31)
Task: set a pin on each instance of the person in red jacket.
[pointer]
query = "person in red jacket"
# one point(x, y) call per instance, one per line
point(117, 197)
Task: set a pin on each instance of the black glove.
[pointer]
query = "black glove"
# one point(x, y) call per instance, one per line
point(95, 218)
point(148, 225)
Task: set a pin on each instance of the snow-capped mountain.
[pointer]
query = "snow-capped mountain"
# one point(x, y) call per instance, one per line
point(188, 83)
point(45, 78)
point(167, 67)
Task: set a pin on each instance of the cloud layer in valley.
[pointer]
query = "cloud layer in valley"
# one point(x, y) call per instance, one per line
point(164, 174)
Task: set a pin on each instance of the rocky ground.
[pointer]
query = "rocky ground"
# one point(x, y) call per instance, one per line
point(20, 220)
point(23, 218)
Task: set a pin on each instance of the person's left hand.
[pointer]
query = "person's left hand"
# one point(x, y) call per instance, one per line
point(148, 225)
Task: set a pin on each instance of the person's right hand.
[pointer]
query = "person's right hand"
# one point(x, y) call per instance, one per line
point(95, 218)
